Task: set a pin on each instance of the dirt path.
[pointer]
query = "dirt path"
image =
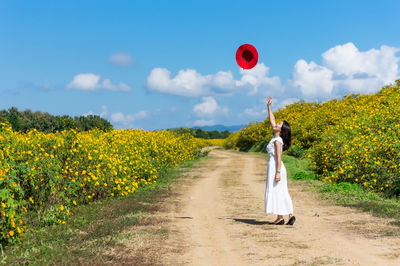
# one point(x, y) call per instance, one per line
point(218, 219)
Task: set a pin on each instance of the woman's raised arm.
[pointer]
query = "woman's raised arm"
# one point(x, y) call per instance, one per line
point(270, 114)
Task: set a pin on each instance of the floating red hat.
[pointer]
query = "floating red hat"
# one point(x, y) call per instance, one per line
point(246, 56)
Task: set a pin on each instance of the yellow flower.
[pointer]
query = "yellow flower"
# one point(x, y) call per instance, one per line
point(11, 233)
point(61, 207)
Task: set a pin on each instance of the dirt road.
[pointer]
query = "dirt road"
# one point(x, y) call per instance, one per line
point(218, 219)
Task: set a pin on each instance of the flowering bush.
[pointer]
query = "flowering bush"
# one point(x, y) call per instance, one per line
point(51, 174)
point(355, 140)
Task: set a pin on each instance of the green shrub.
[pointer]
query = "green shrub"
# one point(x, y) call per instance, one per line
point(296, 150)
point(303, 176)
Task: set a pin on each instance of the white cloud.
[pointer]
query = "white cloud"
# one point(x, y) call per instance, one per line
point(346, 59)
point(121, 59)
point(186, 83)
point(209, 107)
point(202, 122)
point(345, 68)
point(257, 80)
point(362, 71)
point(128, 119)
point(256, 112)
point(106, 84)
point(287, 101)
point(103, 113)
point(223, 80)
point(190, 83)
point(260, 111)
point(92, 82)
point(121, 118)
point(313, 80)
point(86, 81)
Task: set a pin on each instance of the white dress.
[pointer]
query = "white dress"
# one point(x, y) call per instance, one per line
point(277, 198)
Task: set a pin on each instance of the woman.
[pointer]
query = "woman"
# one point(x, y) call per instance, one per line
point(277, 198)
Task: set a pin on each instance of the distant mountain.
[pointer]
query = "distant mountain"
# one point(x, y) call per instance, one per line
point(221, 128)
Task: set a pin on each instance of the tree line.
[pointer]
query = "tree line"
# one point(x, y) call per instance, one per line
point(200, 133)
point(24, 121)
point(45, 122)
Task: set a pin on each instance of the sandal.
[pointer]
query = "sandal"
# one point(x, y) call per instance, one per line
point(291, 220)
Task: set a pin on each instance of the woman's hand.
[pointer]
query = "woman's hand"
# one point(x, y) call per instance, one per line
point(269, 100)
point(277, 177)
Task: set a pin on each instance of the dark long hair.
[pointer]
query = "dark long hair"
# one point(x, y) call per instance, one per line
point(286, 135)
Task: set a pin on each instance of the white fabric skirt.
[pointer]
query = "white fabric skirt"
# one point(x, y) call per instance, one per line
point(277, 198)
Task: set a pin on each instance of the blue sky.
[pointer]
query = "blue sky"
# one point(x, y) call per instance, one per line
point(160, 64)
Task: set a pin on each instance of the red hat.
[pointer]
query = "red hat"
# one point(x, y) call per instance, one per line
point(246, 56)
